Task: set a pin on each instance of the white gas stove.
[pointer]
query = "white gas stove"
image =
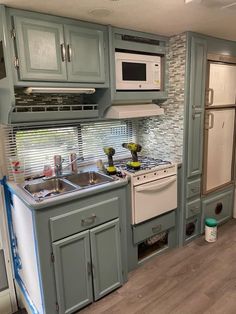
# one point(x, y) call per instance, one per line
point(153, 187)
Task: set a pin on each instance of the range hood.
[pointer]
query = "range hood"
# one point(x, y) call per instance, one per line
point(133, 111)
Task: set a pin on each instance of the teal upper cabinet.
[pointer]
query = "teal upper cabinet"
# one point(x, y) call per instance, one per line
point(58, 50)
point(40, 48)
point(198, 57)
point(85, 54)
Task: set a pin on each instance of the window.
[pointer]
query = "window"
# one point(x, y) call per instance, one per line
point(37, 145)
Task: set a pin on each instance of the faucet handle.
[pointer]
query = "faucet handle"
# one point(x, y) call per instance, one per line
point(73, 164)
point(58, 164)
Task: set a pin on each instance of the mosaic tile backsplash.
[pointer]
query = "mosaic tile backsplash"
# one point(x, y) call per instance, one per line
point(23, 99)
point(162, 137)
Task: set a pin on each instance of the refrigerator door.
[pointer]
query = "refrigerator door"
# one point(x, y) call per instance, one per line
point(219, 148)
point(222, 85)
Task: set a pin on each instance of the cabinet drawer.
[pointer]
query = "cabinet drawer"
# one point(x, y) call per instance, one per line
point(193, 208)
point(218, 206)
point(83, 218)
point(154, 226)
point(193, 188)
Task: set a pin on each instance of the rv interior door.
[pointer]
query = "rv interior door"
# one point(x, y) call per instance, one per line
point(219, 147)
point(222, 85)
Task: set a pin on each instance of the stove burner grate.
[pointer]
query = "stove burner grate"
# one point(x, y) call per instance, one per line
point(147, 163)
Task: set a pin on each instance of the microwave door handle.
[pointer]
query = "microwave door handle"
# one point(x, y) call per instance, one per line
point(155, 187)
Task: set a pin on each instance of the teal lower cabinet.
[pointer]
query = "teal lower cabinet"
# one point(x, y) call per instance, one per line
point(151, 238)
point(80, 274)
point(106, 258)
point(71, 252)
point(192, 228)
point(218, 205)
point(73, 272)
point(193, 208)
point(193, 188)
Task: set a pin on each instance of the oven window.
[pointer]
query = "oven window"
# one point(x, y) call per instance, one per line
point(132, 71)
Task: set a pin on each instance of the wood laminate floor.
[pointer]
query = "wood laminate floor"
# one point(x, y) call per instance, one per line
point(198, 278)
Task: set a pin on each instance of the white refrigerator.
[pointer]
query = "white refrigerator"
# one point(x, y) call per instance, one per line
point(219, 133)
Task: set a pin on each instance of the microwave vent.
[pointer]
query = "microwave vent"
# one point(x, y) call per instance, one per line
point(141, 40)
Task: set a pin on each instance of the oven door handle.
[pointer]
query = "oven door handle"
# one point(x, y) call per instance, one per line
point(155, 187)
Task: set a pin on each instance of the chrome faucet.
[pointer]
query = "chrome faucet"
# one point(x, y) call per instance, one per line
point(58, 161)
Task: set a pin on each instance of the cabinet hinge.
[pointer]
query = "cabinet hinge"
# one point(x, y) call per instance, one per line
point(16, 62)
point(13, 33)
point(57, 307)
point(52, 258)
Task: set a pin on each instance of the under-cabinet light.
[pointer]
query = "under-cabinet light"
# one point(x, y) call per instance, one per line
point(59, 90)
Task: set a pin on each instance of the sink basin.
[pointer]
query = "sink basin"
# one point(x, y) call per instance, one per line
point(48, 188)
point(89, 179)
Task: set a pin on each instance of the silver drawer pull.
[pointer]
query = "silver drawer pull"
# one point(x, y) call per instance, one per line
point(194, 209)
point(156, 228)
point(88, 220)
point(196, 189)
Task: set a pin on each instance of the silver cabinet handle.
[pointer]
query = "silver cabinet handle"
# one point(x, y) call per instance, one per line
point(89, 220)
point(156, 228)
point(211, 120)
point(210, 97)
point(69, 53)
point(63, 53)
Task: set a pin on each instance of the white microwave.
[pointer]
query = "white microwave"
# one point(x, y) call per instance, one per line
point(137, 71)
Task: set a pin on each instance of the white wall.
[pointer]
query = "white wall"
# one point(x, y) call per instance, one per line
point(7, 298)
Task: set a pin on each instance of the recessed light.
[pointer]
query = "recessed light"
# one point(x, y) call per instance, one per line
point(100, 12)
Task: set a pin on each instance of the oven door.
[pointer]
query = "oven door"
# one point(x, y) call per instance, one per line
point(154, 198)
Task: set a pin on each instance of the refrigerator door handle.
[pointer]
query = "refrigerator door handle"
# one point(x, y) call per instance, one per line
point(210, 96)
point(210, 121)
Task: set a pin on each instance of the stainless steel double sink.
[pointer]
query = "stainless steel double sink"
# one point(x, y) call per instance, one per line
point(51, 187)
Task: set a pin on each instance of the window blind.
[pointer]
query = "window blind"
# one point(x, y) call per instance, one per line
point(36, 145)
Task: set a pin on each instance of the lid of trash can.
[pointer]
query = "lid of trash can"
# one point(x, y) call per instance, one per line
point(211, 222)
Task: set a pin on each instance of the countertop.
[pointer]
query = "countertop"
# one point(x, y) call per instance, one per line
point(60, 199)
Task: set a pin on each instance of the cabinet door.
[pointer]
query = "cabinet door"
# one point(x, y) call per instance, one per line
point(222, 84)
point(73, 272)
point(218, 206)
point(85, 54)
point(40, 50)
point(218, 148)
point(106, 258)
point(196, 105)
point(195, 144)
